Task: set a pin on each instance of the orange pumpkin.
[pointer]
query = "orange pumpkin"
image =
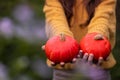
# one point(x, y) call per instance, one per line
point(61, 48)
point(98, 47)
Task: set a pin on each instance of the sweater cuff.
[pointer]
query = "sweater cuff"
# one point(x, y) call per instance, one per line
point(110, 63)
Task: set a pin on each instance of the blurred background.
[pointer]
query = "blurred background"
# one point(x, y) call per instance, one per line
point(21, 37)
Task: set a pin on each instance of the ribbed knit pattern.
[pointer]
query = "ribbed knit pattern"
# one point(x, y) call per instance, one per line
point(103, 22)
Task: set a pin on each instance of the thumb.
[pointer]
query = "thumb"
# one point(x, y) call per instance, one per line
point(43, 47)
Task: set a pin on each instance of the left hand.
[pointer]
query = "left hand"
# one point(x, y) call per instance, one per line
point(84, 65)
point(88, 58)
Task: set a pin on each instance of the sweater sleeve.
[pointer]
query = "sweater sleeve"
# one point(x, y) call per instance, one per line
point(56, 22)
point(104, 18)
point(104, 22)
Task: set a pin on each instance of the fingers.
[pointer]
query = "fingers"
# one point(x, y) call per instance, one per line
point(62, 64)
point(53, 64)
point(90, 58)
point(100, 61)
point(43, 47)
point(85, 57)
point(80, 54)
point(74, 60)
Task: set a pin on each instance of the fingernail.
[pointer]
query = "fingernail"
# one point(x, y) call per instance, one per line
point(85, 56)
point(101, 58)
point(62, 64)
point(78, 56)
point(74, 60)
point(81, 51)
point(53, 64)
point(91, 54)
point(43, 47)
point(100, 61)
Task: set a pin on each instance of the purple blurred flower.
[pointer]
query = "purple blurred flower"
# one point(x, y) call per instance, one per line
point(28, 27)
point(3, 72)
point(40, 33)
point(6, 27)
point(40, 67)
point(23, 13)
point(23, 33)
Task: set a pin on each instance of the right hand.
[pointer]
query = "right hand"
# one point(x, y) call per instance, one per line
point(62, 64)
point(88, 59)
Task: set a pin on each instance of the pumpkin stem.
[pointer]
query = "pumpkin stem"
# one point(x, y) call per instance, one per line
point(62, 37)
point(98, 37)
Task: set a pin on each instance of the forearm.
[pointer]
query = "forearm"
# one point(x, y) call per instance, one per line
point(56, 22)
point(101, 21)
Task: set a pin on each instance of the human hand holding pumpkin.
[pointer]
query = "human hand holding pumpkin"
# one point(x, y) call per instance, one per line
point(85, 66)
point(97, 44)
point(62, 64)
point(61, 49)
point(58, 53)
point(88, 58)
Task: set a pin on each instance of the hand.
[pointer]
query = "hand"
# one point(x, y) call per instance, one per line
point(85, 66)
point(43, 47)
point(88, 58)
point(62, 64)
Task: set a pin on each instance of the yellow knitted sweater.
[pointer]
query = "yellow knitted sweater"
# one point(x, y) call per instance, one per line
point(103, 22)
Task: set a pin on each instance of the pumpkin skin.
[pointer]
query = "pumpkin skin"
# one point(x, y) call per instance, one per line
point(61, 48)
point(99, 48)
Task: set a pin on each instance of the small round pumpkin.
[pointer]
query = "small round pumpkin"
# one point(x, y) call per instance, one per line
point(61, 48)
point(98, 47)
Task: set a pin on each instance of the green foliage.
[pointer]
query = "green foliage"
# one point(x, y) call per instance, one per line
point(115, 71)
point(7, 6)
point(17, 55)
point(38, 7)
